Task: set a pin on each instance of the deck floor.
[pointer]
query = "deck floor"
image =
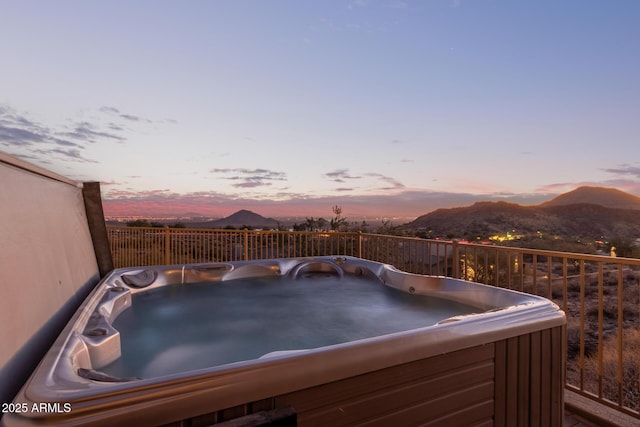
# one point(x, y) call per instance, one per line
point(580, 411)
point(573, 420)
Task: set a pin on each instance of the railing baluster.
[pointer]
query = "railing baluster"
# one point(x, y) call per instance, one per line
point(620, 335)
point(600, 325)
point(535, 274)
point(582, 323)
point(549, 274)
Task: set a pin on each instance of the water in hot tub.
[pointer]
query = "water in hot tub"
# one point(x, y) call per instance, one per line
point(179, 328)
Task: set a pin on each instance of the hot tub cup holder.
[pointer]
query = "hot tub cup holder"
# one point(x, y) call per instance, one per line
point(96, 332)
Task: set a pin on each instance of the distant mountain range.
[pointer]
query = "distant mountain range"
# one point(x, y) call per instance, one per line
point(242, 218)
point(584, 212)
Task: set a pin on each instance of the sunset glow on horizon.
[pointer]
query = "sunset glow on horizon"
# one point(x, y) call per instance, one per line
point(387, 108)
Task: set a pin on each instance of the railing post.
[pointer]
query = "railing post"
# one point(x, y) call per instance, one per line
point(167, 243)
point(246, 244)
point(359, 244)
point(455, 260)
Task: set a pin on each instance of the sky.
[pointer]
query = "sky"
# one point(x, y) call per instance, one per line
point(386, 108)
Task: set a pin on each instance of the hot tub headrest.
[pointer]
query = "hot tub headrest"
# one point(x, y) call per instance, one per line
point(310, 269)
point(141, 279)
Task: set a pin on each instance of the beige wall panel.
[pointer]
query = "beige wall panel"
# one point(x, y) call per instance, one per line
point(47, 262)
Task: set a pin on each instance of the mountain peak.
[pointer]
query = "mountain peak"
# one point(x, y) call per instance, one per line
point(247, 217)
point(604, 196)
point(242, 218)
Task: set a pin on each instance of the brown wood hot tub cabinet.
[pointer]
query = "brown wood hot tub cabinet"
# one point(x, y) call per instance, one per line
point(515, 381)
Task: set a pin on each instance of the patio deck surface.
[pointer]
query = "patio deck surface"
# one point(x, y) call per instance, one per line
point(573, 420)
point(580, 411)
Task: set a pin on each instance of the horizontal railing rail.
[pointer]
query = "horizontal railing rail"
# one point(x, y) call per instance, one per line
point(599, 294)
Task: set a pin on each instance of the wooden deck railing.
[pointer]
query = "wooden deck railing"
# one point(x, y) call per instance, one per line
point(599, 294)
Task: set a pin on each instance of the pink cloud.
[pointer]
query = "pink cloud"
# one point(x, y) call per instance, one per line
point(409, 203)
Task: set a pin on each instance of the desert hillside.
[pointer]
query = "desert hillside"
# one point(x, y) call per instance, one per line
point(587, 212)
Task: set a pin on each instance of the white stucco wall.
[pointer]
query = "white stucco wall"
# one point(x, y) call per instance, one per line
point(47, 262)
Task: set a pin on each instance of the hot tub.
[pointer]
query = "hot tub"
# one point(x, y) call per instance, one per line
point(333, 340)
